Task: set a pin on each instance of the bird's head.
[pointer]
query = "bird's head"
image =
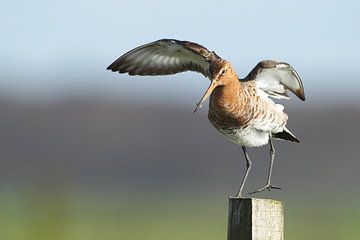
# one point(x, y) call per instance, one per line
point(221, 74)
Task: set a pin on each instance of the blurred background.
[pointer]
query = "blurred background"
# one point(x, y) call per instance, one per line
point(90, 154)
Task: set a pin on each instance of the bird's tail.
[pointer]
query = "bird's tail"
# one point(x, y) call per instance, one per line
point(286, 135)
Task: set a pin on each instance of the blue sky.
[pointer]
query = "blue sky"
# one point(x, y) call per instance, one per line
point(61, 48)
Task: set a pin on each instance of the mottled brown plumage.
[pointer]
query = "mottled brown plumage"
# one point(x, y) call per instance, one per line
point(240, 109)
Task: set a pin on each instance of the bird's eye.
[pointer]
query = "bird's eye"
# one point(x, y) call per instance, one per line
point(223, 71)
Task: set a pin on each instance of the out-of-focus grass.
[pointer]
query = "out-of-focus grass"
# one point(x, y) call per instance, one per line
point(330, 219)
point(60, 216)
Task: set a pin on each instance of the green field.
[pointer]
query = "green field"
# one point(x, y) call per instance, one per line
point(95, 216)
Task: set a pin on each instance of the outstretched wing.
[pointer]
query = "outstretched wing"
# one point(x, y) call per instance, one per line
point(276, 78)
point(164, 57)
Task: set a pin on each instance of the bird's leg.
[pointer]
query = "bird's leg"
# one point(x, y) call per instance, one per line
point(248, 167)
point(268, 185)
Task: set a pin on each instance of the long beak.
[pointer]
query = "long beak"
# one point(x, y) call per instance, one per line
point(211, 88)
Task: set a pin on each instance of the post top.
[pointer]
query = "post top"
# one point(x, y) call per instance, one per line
point(268, 200)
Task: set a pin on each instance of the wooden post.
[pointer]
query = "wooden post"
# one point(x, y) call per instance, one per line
point(255, 219)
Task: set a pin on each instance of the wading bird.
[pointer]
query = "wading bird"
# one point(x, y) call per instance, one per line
point(240, 109)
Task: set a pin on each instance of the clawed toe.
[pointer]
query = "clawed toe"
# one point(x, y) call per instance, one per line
point(268, 187)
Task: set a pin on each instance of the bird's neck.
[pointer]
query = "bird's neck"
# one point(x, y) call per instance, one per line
point(228, 103)
point(226, 95)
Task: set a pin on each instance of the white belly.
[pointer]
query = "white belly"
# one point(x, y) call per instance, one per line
point(246, 137)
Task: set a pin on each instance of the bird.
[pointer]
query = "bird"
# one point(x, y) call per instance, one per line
point(240, 109)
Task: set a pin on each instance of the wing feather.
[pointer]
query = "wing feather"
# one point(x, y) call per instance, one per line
point(164, 57)
point(276, 78)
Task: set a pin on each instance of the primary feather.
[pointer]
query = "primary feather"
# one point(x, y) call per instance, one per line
point(164, 57)
point(276, 78)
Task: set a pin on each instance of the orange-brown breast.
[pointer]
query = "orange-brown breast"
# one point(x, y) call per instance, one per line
point(238, 105)
point(229, 106)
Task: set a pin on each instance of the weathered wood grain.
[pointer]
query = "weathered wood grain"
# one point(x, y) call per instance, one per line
point(255, 219)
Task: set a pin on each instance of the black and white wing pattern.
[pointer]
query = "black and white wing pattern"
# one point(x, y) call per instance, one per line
point(164, 57)
point(276, 78)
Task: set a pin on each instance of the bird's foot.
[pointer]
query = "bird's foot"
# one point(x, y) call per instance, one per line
point(268, 187)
